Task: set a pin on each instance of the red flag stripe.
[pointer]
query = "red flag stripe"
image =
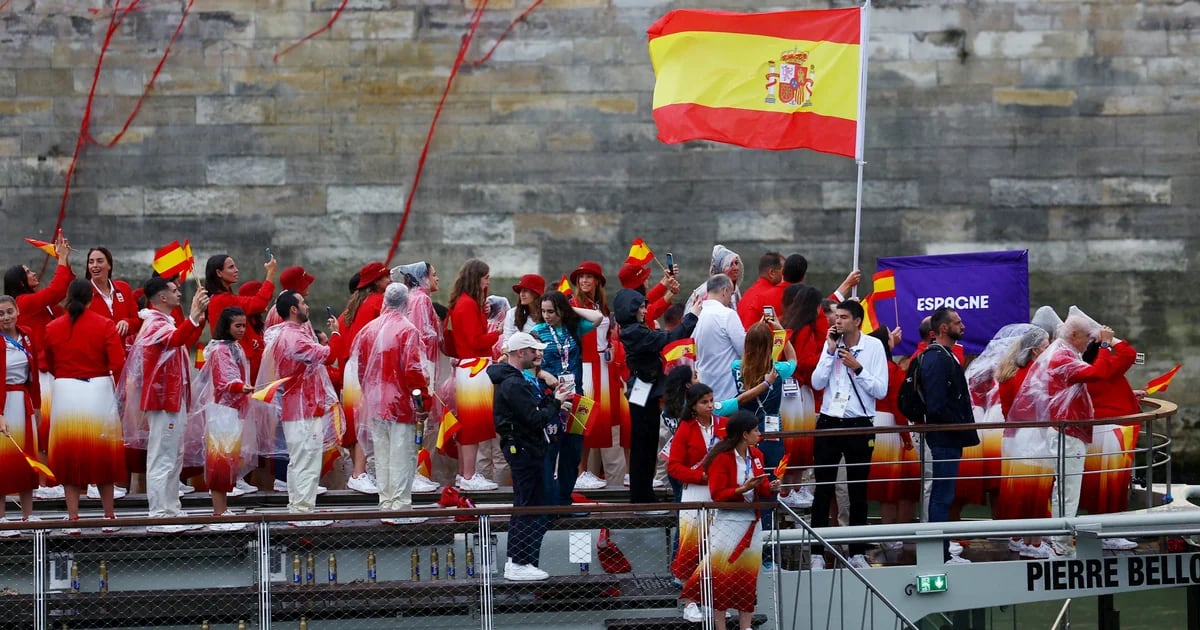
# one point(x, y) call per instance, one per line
point(774, 131)
point(831, 25)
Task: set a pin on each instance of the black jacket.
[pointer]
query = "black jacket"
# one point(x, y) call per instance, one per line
point(947, 399)
point(643, 347)
point(521, 414)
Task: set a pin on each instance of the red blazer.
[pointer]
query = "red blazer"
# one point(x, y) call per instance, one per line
point(124, 307)
point(166, 383)
point(41, 307)
point(252, 343)
point(688, 450)
point(89, 348)
point(33, 386)
point(471, 336)
point(655, 305)
point(367, 311)
point(1008, 389)
point(761, 293)
point(1113, 396)
point(722, 477)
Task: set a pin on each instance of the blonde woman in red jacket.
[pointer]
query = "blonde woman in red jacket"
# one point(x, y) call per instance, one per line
point(735, 475)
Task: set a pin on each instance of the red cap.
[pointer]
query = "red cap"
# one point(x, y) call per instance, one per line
point(590, 267)
point(633, 276)
point(371, 272)
point(296, 279)
point(531, 282)
point(250, 288)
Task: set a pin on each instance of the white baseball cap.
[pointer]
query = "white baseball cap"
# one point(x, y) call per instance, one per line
point(523, 340)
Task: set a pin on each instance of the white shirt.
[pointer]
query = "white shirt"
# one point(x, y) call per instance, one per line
point(720, 339)
point(17, 365)
point(510, 323)
point(835, 378)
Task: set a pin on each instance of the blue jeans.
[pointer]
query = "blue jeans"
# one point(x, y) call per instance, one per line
point(941, 495)
point(564, 452)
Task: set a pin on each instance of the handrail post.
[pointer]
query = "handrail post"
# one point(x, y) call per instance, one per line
point(487, 558)
point(1167, 498)
point(706, 575)
point(39, 579)
point(924, 511)
point(1150, 463)
point(264, 575)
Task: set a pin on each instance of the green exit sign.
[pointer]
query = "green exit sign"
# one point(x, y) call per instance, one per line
point(931, 583)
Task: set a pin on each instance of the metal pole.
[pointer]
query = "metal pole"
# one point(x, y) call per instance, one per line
point(706, 581)
point(924, 503)
point(39, 579)
point(487, 559)
point(264, 576)
point(1150, 463)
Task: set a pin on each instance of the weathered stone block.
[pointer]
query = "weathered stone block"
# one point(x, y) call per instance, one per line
point(191, 201)
point(767, 227)
point(1062, 191)
point(284, 200)
point(1024, 45)
point(536, 228)
point(479, 229)
point(876, 194)
point(1115, 191)
point(1035, 98)
point(224, 110)
point(364, 199)
point(121, 202)
point(247, 171)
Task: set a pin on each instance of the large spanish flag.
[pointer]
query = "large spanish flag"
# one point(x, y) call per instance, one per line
point(782, 80)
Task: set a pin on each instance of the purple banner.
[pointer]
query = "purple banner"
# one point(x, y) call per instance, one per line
point(988, 289)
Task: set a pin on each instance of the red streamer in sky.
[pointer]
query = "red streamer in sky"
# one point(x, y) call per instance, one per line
point(511, 25)
point(328, 25)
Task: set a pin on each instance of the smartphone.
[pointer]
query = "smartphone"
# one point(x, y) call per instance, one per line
point(568, 382)
point(835, 334)
point(670, 262)
point(329, 312)
point(267, 255)
point(768, 312)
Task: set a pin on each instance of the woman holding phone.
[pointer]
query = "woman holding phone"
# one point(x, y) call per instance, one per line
point(562, 329)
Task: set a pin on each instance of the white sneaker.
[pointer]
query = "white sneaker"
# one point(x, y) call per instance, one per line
point(410, 520)
point(72, 531)
point(362, 483)
point(1017, 544)
point(1040, 552)
point(50, 492)
point(185, 489)
point(859, 561)
point(279, 486)
point(626, 481)
point(9, 533)
point(659, 484)
point(93, 492)
point(244, 488)
point(476, 483)
point(1059, 551)
point(119, 492)
point(588, 481)
point(172, 529)
point(894, 545)
point(524, 573)
point(692, 613)
point(310, 523)
point(797, 499)
point(816, 563)
point(108, 529)
point(227, 527)
point(958, 560)
point(321, 490)
point(421, 483)
point(955, 548)
point(1118, 544)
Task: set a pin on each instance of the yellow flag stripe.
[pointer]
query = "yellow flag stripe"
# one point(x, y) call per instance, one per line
point(730, 70)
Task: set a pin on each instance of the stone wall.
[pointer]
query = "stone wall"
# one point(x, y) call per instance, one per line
point(1065, 127)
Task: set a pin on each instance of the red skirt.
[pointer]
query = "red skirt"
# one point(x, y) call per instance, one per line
point(16, 476)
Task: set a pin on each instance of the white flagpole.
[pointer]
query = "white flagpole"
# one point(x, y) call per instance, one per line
point(863, 44)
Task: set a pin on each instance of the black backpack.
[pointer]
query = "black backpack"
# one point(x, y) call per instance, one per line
point(911, 400)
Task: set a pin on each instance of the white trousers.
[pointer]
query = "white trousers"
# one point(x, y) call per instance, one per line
point(164, 461)
point(305, 445)
point(395, 463)
point(1070, 474)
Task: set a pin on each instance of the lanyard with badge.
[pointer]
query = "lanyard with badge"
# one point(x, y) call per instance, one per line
point(841, 398)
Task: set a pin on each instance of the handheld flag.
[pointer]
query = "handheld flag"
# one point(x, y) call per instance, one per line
point(884, 284)
point(447, 430)
point(781, 467)
point(199, 357)
point(48, 248)
point(779, 80)
point(425, 463)
point(267, 393)
point(639, 253)
point(173, 259)
point(679, 350)
point(34, 463)
point(870, 319)
point(1160, 383)
point(564, 286)
point(780, 340)
point(582, 415)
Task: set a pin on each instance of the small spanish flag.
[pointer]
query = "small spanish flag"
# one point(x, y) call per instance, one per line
point(199, 357)
point(1160, 383)
point(679, 350)
point(173, 260)
point(582, 416)
point(447, 430)
point(425, 463)
point(564, 286)
point(639, 253)
point(34, 463)
point(884, 284)
point(48, 248)
point(781, 338)
point(267, 393)
point(781, 467)
point(870, 319)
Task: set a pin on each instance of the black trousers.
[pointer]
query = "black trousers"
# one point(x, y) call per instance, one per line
point(525, 531)
point(643, 450)
point(828, 452)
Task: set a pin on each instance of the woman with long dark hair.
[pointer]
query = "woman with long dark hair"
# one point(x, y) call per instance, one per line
point(528, 312)
point(735, 471)
point(563, 330)
point(85, 355)
point(116, 299)
point(220, 276)
point(472, 349)
point(221, 397)
point(38, 306)
point(802, 315)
